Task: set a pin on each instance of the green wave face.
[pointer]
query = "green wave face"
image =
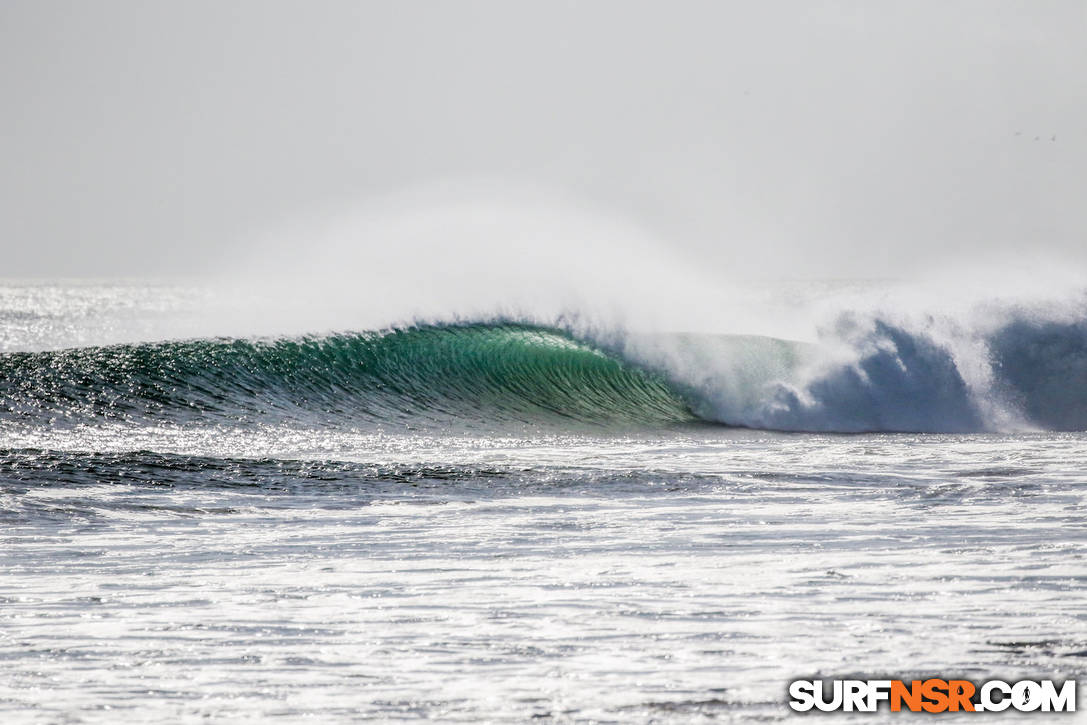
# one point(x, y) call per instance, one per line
point(461, 376)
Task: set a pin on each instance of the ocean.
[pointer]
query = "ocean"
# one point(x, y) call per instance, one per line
point(526, 517)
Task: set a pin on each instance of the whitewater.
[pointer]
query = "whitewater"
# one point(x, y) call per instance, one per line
point(225, 505)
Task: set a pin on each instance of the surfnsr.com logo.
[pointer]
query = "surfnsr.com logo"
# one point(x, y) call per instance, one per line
point(933, 695)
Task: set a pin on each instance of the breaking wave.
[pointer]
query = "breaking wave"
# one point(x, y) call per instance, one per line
point(867, 373)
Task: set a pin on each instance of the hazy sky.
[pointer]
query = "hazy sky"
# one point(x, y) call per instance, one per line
point(762, 138)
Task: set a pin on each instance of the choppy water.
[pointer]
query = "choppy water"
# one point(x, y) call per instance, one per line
point(520, 556)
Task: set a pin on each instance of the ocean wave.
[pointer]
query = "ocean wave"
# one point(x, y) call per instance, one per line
point(868, 373)
point(436, 376)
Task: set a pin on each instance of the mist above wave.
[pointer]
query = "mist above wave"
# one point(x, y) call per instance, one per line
point(969, 348)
